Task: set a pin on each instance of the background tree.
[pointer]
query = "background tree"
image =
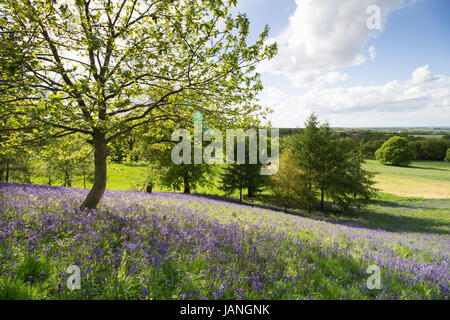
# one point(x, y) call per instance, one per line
point(287, 185)
point(371, 146)
point(103, 68)
point(240, 176)
point(233, 178)
point(396, 151)
point(16, 165)
point(186, 177)
point(305, 147)
point(431, 149)
point(330, 166)
point(66, 160)
point(330, 156)
point(349, 184)
point(47, 166)
point(447, 157)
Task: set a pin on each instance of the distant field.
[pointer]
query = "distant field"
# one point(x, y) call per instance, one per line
point(408, 187)
point(428, 136)
point(424, 179)
point(433, 170)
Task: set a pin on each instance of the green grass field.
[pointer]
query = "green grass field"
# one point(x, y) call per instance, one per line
point(428, 136)
point(432, 170)
point(423, 179)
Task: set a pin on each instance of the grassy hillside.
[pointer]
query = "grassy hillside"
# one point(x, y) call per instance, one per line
point(174, 246)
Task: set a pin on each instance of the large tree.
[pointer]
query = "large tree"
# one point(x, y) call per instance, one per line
point(103, 68)
point(396, 151)
point(305, 147)
point(329, 166)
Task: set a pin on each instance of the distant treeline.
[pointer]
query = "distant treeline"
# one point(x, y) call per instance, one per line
point(427, 144)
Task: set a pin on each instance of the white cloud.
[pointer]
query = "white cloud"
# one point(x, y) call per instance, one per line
point(325, 35)
point(423, 96)
point(421, 75)
point(316, 78)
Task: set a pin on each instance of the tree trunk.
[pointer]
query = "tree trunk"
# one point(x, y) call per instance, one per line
point(240, 194)
point(308, 200)
point(321, 198)
point(7, 172)
point(1, 173)
point(66, 180)
point(187, 188)
point(250, 192)
point(98, 189)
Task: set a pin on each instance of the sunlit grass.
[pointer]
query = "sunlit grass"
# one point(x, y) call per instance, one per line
point(410, 187)
point(433, 170)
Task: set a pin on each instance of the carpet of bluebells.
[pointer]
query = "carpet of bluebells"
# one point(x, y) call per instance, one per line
point(173, 246)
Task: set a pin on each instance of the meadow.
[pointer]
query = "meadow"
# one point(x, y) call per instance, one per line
point(422, 179)
point(168, 245)
point(175, 246)
point(419, 169)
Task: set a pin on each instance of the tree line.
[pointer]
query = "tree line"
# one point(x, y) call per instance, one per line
point(316, 167)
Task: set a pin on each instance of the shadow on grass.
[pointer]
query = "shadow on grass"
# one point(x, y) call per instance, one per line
point(398, 204)
point(427, 168)
point(380, 215)
point(373, 219)
point(378, 218)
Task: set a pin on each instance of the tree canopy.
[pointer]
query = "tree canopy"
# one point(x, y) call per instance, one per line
point(103, 68)
point(328, 166)
point(396, 151)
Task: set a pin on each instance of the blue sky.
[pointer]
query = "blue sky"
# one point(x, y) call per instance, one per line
point(330, 62)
